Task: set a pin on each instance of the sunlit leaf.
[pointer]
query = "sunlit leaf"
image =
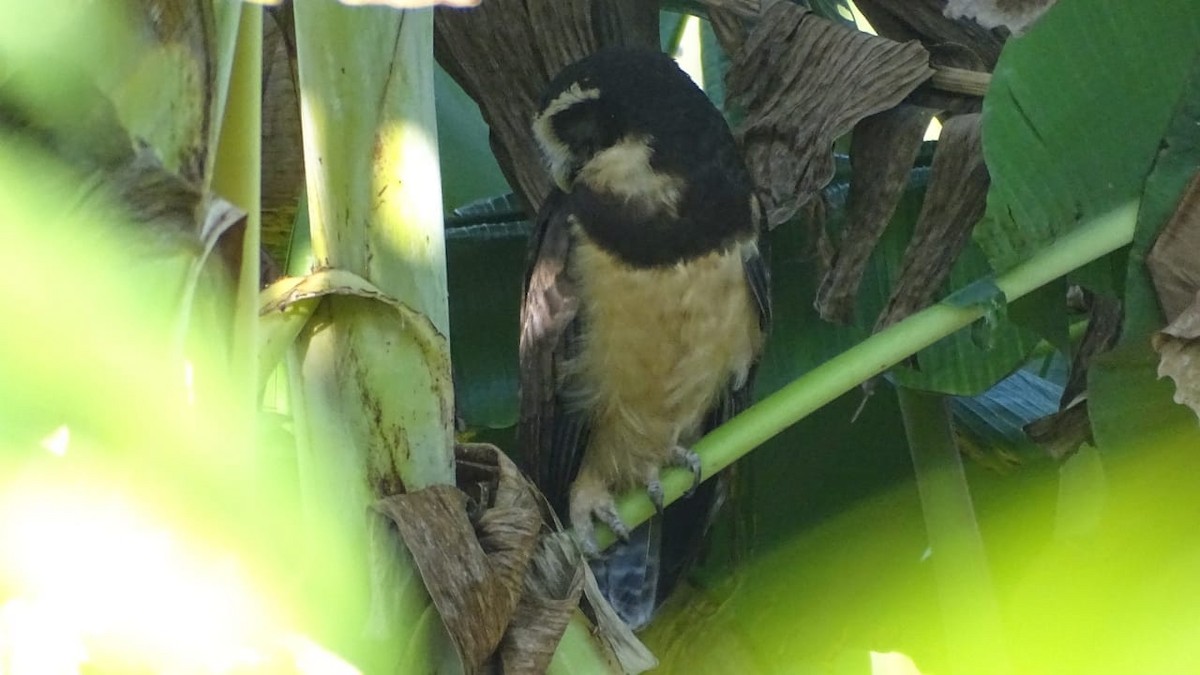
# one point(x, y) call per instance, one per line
point(1053, 169)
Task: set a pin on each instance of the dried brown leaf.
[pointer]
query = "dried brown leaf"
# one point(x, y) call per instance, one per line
point(1174, 260)
point(882, 153)
point(1063, 433)
point(804, 82)
point(729, 27)
point(555, 574)
point(954, 202)
point(551, 588)
point(468, 591)
point(505, 587)
point(743, 8)
point(282, 146)
point(926, 21)
point(1015, 15)
point(1105, 319)
point(958, 84)
point(1178, 347)
point(510, 519)
point(504, 52)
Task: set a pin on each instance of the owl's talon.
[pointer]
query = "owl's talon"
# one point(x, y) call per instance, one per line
point(608, 515)
point(686, 459)
point(587, 543)
point(655, 491)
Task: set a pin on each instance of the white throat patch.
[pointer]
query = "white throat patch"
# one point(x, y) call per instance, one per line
point(624, 170)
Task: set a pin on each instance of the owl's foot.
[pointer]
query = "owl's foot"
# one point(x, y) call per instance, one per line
point(686, 459)
point(591, 501)
point(679, 457)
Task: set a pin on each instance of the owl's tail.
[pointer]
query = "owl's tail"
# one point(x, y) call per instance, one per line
point(628, 574)
point(636, 576)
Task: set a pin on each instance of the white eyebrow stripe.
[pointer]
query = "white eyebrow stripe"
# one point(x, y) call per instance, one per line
point(556, 153)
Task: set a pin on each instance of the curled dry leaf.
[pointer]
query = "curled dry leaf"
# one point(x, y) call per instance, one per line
point(552, 585)
point(1173, 261)
point(1063, 433)
point(468, 590)
point(926, 21)
point(804, 82)
point(282, 143)
point(1175, 268)
point(882, 153)
point(743, 8)
point(1178, 347)
point(325, 282)
point(505, 586)
point(1015, 15)
point(555, 574)
point(504, 52)
point(954, 202)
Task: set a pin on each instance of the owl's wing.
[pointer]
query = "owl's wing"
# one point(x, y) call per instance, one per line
point(551, 437)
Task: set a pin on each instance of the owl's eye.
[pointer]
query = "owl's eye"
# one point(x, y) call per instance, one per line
point(586, 128)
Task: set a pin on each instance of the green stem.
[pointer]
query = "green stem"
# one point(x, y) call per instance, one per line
point(971, 614)
point(873, 356)
point(237, 177)
point(676, 36)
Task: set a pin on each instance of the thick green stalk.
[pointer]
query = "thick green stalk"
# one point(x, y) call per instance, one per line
point(876, 354)
point(376, 403)
point(970, 612)
point(237, 178)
